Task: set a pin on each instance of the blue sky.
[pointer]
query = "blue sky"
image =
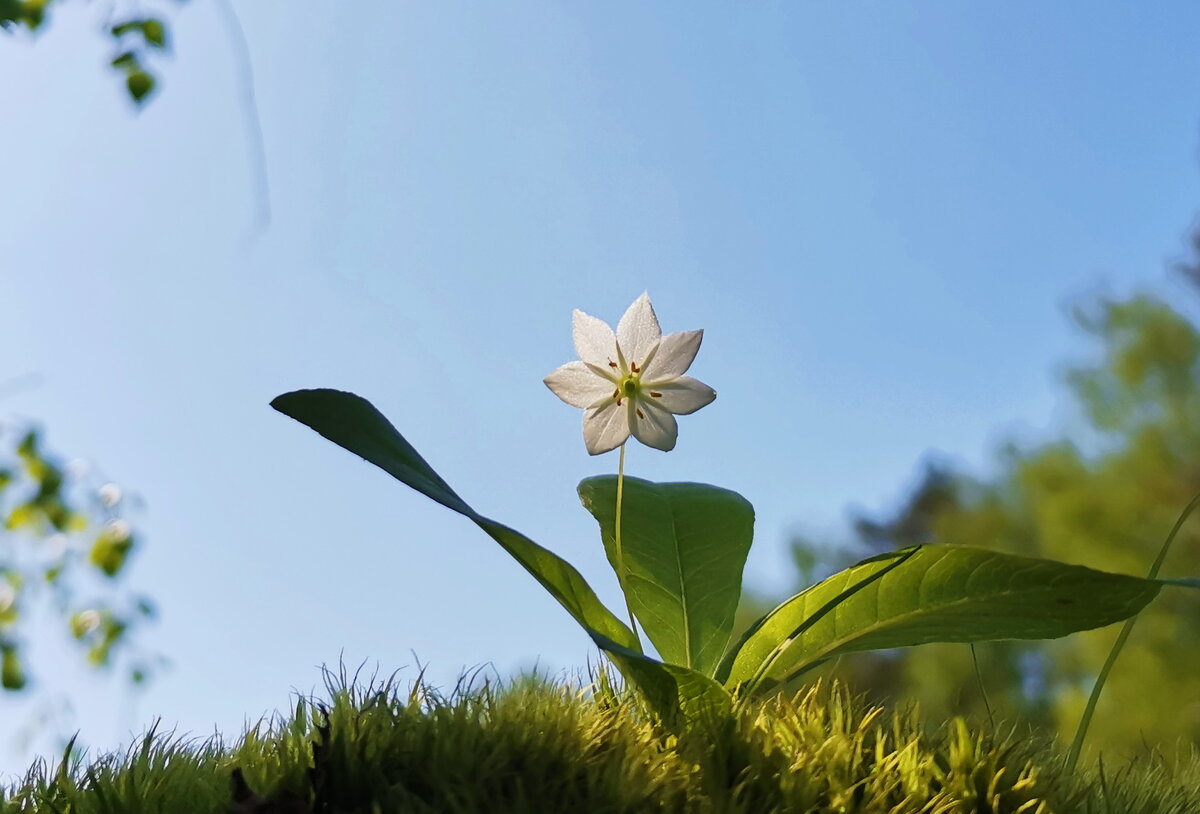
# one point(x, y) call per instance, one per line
point(877, 212)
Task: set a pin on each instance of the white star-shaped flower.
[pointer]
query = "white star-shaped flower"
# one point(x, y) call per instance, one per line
point(630, 382)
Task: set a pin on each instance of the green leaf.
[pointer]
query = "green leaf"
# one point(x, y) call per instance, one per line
point(82, 623)
point(109, 552)
point(27, 449)
point(155, 32)
point(931, 594)
point(31, 13)
point(352, 423)
point(12, 674)
point(152, 30)
point(126, 61)
point(140, 85)
point(684, 546)
point(680, 696)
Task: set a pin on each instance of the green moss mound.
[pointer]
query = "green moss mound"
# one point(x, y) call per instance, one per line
point(540, 746)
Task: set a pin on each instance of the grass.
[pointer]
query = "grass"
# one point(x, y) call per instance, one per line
point(541, 746)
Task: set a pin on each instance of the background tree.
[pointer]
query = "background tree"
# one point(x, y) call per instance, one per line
point(1104, 495)
point(65, 544)
point(65, 540)
point(137, 38)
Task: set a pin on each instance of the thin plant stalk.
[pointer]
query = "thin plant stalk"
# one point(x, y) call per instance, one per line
point(620, 554)
point(1126, 629)
point(983, 689)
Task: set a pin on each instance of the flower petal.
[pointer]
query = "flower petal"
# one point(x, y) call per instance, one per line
point(682, 395)
point(594, 340)
point(654, 427)
point(606, 426)
point(675, 354)
point(579, 385)
point(638, 331)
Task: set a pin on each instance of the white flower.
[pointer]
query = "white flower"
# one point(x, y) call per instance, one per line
point(118, 530)
point(631, 382)
point(110, 494)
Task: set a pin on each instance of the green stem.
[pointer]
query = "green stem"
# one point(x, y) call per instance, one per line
point(983, 690)
point(620, 554)
point(1085, 721)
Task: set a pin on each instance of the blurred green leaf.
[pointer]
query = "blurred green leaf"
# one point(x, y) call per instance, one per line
point(126, 61)
point(21, 516)
point(151, 29)
point(30, 13)
point(83, 623)
point(140, 85)
point(12, 674)
point(155, 32)
point(27, 448)
point(109, 552)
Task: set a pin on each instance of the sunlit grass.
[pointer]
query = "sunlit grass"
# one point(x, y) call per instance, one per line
point(541, 746)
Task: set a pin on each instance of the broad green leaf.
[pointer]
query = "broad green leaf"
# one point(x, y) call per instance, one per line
point(678, 695)
point(684, 546)
point(352, 423)
point(931, 594)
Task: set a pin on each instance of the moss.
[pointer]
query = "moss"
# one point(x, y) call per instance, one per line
point(539, 746)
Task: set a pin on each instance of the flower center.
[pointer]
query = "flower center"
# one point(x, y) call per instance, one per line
point(630, 385)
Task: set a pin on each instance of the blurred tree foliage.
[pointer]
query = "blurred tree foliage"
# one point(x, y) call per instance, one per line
point(64, 542)
point(136, 38)
point(64, 545)
point(1104, 497)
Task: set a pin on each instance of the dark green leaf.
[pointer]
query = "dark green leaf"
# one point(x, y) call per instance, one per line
point(152, 30)
point(684, 546)
point(109, 552)
point(27, 448)
point(155, 33)
point(12, 674)
point(140, 85)
point(127, 61)
point(352, 423)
